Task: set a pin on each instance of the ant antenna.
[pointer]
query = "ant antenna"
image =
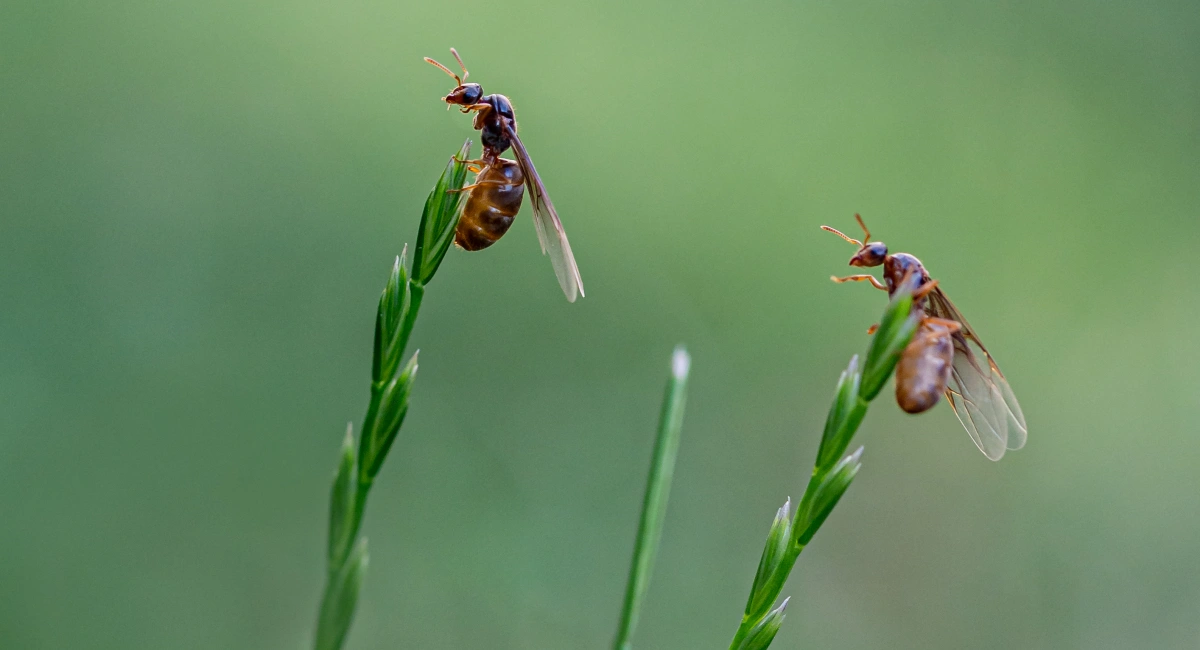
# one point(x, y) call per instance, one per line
point(839, 234)
point(461, 65)
point(866, 233)
point(445, 69)
point(860, 244)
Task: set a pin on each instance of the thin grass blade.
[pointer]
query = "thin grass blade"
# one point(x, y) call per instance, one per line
point(440, 218)
point(341, 501)
point(654, 504)
point(337, 609)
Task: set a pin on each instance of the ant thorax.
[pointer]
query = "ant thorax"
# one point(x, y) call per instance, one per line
point(895, 267)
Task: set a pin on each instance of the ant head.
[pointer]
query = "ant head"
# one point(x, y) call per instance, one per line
point(464, 94)
point(869, 253)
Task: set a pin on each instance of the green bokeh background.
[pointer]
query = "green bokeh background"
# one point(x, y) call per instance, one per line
point(200, 202)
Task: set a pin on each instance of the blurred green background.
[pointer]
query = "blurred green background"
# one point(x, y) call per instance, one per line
point(200, 202)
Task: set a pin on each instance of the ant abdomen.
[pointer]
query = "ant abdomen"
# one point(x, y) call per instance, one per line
point(490, 205)
point(924, 368)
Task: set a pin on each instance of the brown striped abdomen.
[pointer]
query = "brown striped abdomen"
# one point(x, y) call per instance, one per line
point(491, 206)
point(924, 368)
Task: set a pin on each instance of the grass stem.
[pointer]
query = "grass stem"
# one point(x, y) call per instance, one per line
point(391, 385)
point(654, 503)
point(832, 473)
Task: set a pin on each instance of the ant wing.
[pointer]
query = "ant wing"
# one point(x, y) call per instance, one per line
point(549, 229)
point(978, 391)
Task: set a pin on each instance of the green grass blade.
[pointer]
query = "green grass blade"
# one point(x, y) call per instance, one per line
point(761, 635)
point(393, 308)
point(832, 472)
point(391, 386)
point(654, 504)
point(845, 400)
point(377, 438)
point(896, 328)
point(774, 554)
point(337, 609)
point(341, 502)
point(440, 218)
point(827, 494)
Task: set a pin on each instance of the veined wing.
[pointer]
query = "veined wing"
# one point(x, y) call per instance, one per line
point(549, 229)
point(979, 393)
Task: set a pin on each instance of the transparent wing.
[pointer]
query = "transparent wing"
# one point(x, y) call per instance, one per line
point(549, 229)
point(978, 391)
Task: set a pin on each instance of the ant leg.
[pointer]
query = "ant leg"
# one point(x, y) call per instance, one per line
point(859, 278)
point(951, 325)
point(924, 290)
point(468, 188)
point(474, 166)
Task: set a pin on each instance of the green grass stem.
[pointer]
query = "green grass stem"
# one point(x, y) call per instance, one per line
point(359, 462)
point(832, 474)
point(654, 503)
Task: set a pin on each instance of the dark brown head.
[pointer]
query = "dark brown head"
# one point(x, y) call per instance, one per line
point(870, 253)
point(464, 94)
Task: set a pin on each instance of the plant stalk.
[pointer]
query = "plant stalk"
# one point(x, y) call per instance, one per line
point(391, 385)
point(654, 502)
